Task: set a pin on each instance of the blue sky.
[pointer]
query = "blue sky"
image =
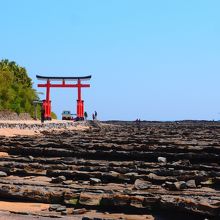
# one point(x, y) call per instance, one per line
point(154, 60)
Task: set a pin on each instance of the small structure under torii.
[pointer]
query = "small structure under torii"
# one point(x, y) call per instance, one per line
point(47, 102)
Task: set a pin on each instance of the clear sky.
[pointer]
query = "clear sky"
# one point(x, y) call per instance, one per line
point(149, 59)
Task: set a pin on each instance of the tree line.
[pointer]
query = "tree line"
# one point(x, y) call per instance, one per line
point(16, 91)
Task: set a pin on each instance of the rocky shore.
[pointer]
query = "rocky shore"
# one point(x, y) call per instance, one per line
point(37, 125)
point(156, 170)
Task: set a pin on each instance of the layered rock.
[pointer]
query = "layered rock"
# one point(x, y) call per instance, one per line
point(147, 168)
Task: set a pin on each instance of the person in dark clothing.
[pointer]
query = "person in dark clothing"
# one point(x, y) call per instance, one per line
point(138, 123)
point(96, 114)
point(93, 117)
point(85, 115)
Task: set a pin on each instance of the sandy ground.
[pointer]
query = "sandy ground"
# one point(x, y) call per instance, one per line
point(23, 207)
point(14, 210)
point(16, 131)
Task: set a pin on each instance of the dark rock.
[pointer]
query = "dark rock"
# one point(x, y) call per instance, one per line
point(64, 212)
point(86, 218)
point(58, 179)
point(169, 185)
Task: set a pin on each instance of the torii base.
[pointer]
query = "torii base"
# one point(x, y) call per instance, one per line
point(47, 108)
point(80, 110)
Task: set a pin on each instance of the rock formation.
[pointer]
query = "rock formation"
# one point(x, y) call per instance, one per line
point(116, 167)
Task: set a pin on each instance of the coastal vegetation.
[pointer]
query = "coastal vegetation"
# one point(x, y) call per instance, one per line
point(16, 89)
point(16, 92)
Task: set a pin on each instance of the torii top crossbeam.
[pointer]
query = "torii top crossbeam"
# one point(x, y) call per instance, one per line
point(78, 84)
point(69, 78)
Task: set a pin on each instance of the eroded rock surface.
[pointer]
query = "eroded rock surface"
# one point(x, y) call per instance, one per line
point(147, 169)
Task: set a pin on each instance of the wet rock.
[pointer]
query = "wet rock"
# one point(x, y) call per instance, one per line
point(58, 179)
point(141, 184)
point(162, 159)
point(217, 181)
point(191, 184)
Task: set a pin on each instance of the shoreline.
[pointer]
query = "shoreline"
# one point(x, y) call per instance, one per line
point(10, 128)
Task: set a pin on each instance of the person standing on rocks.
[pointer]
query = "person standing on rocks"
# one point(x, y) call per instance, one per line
point(85, 115)
point(138, 123)
point(96, 114)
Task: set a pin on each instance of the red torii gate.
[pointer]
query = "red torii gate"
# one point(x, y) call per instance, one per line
point(48, 85)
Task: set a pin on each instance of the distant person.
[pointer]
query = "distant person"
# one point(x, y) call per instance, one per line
point(138, 123)
point(96, 114)
point(93, 117)
point(42, 114)
point(85, 115)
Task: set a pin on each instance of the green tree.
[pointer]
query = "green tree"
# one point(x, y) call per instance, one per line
point(16, 92)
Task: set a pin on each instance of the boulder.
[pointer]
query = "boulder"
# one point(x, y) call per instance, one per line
point(141, 184)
